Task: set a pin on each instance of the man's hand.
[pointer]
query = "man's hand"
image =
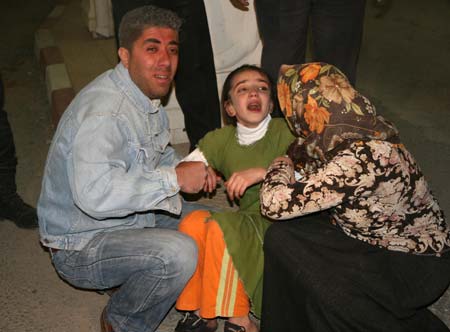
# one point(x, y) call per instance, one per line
point(191, 176)
point(240, 181)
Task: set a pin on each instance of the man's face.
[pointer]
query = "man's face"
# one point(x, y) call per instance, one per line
point(152, 60)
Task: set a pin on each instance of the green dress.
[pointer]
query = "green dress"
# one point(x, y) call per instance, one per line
point(244, 229)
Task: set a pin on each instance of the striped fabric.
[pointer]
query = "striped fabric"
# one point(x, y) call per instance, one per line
point(228, 283)
point(215, 288)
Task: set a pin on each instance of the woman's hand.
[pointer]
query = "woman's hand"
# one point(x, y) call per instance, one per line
point(284, 159)
point(289, 162)
point(240, 181)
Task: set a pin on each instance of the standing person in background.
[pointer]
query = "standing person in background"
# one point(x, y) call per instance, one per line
point(195, 82)
point(336, 30)
point(12, 206)
point(110, 206)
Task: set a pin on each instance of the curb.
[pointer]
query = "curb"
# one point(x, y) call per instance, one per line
point(59, 87)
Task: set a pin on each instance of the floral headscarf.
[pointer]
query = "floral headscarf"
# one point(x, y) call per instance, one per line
point(322, 107)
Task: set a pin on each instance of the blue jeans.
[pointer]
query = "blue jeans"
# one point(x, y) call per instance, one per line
point(151, 266)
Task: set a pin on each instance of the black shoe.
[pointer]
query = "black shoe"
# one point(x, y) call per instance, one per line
point(15, 209)
point(192, 323)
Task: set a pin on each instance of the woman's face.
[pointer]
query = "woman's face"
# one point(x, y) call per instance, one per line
point(250, 100)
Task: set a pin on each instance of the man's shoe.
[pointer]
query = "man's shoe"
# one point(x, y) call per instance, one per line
point(106, 327)
point(15, 209)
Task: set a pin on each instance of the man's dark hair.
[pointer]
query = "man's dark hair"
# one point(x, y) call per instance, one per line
point(136, 20)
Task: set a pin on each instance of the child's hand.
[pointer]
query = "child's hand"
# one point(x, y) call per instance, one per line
point(211, 180)
point(240, 181)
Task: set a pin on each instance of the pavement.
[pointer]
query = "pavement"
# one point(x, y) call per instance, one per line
point(68, 54)
point(403, 68)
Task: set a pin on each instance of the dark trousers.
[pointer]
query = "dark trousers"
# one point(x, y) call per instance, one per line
point(316, 278)
point(8, 159)
point(336, 27)
point(195, 81)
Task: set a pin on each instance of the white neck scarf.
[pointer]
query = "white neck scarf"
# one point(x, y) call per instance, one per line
point(247, 136)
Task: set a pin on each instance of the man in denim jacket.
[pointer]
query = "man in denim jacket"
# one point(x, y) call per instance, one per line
point(110, 204)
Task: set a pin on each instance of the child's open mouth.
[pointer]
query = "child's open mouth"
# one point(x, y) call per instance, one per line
point(254, 107)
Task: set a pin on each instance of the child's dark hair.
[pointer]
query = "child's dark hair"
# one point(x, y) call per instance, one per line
point(227, 87)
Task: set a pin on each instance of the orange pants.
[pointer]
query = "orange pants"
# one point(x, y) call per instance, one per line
point(215, 288)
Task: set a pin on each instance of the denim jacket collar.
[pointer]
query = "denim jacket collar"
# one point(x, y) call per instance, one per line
point(122, 78)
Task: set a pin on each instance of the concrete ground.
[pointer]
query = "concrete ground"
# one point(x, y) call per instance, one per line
point(403, 67)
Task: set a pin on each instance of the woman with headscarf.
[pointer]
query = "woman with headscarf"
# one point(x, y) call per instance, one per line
point(379, 252)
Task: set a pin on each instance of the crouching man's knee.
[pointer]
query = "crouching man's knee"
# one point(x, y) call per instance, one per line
point(181, 260)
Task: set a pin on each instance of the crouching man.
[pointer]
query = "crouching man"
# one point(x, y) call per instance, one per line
point(110, 204)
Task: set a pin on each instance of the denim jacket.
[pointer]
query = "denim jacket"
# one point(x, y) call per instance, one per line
point(108, 166)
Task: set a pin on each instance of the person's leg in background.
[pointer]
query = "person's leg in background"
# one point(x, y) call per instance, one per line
point(283, 26)
point(12, 206)
point(195, 81)
point(120, 8)
point(337, 28)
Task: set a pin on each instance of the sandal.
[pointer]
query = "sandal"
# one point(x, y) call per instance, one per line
point(230, 327)
point(193, 323)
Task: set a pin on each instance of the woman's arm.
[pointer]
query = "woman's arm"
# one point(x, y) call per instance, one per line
point(342, 178)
